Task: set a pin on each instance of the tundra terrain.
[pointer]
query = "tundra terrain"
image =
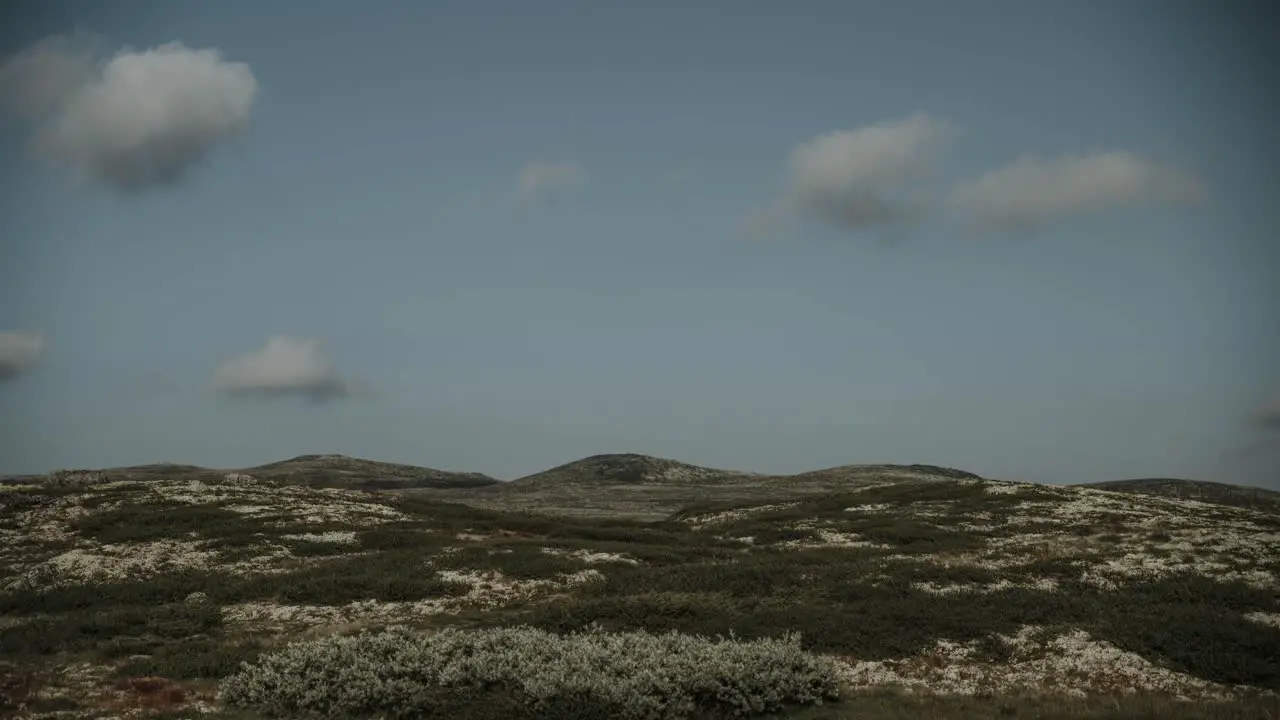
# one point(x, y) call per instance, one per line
point(909, 591)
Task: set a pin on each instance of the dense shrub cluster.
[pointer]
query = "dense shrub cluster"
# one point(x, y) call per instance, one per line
point(400, 673)
point(75, 478)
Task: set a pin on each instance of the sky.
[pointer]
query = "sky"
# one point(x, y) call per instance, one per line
point(1031, 240)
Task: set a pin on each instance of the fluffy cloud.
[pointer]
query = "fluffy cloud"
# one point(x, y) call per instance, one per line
point(858, 179)
point(284, 367)
point(18, 352)
point(539, 181)
point(133, 121)
point(1031, 191)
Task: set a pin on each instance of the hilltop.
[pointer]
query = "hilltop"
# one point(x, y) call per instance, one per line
point(917, 591)
point(1202, 490)
point(644, 487)
point(340, 471)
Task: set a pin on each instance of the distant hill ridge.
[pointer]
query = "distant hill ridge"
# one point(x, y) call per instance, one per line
point(358, 473)
point(331, 470)
point(636, 475)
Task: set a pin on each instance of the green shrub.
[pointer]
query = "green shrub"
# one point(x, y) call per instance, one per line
point(158, 520)
point(118, 631)
point(522, 561)
point(389, 576)
point(529, 673)
point(159, 590)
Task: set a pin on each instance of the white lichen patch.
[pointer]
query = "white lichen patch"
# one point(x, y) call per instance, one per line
point(488, 590)
point(241, 479)
point(141, 560)
point(1114, 539)
point(250, 510)
point(591, 558)
point(869, 508)
point(998, 487)
point(286, 505)
point(1043, 584)
point(111, 563)
point(1072, 663)
point(338, 537)
point(701, 521)
point(829, 538)
point(1263, 618)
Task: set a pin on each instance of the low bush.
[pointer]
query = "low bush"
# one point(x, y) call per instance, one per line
point(147, 521)
point(523, 672)
point(131, 629)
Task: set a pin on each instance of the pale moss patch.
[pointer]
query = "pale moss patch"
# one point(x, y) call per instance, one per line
point(827, 537)
point(487, 590)
point(141, 560)
point(1264, 618)
point(700, 521)
point(1113, 538)
point(590, 557)
point(870, 508)
point(338, 537)
point(997, 487)
point(1073, 663)
point(1042, 583)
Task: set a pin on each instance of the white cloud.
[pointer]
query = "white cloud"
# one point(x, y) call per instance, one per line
point(283, 367)
point(136, 120)
point(861, 178)
point(18, 352)
point(1031, 191)
point(539, 181)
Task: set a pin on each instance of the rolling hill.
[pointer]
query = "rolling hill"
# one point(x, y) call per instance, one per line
point(649, 488)
point(340, 471)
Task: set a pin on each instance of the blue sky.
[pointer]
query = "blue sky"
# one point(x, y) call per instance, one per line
point(679, 276)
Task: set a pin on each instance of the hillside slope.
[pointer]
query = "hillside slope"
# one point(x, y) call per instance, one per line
point(340, 471)
point(1202, 490)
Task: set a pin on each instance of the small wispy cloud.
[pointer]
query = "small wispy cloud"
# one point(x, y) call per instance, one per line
point(862, 178)
point(284, 367)
point(541, 181)
point(19, 351)
point(132, 121)
point(1032, 192)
